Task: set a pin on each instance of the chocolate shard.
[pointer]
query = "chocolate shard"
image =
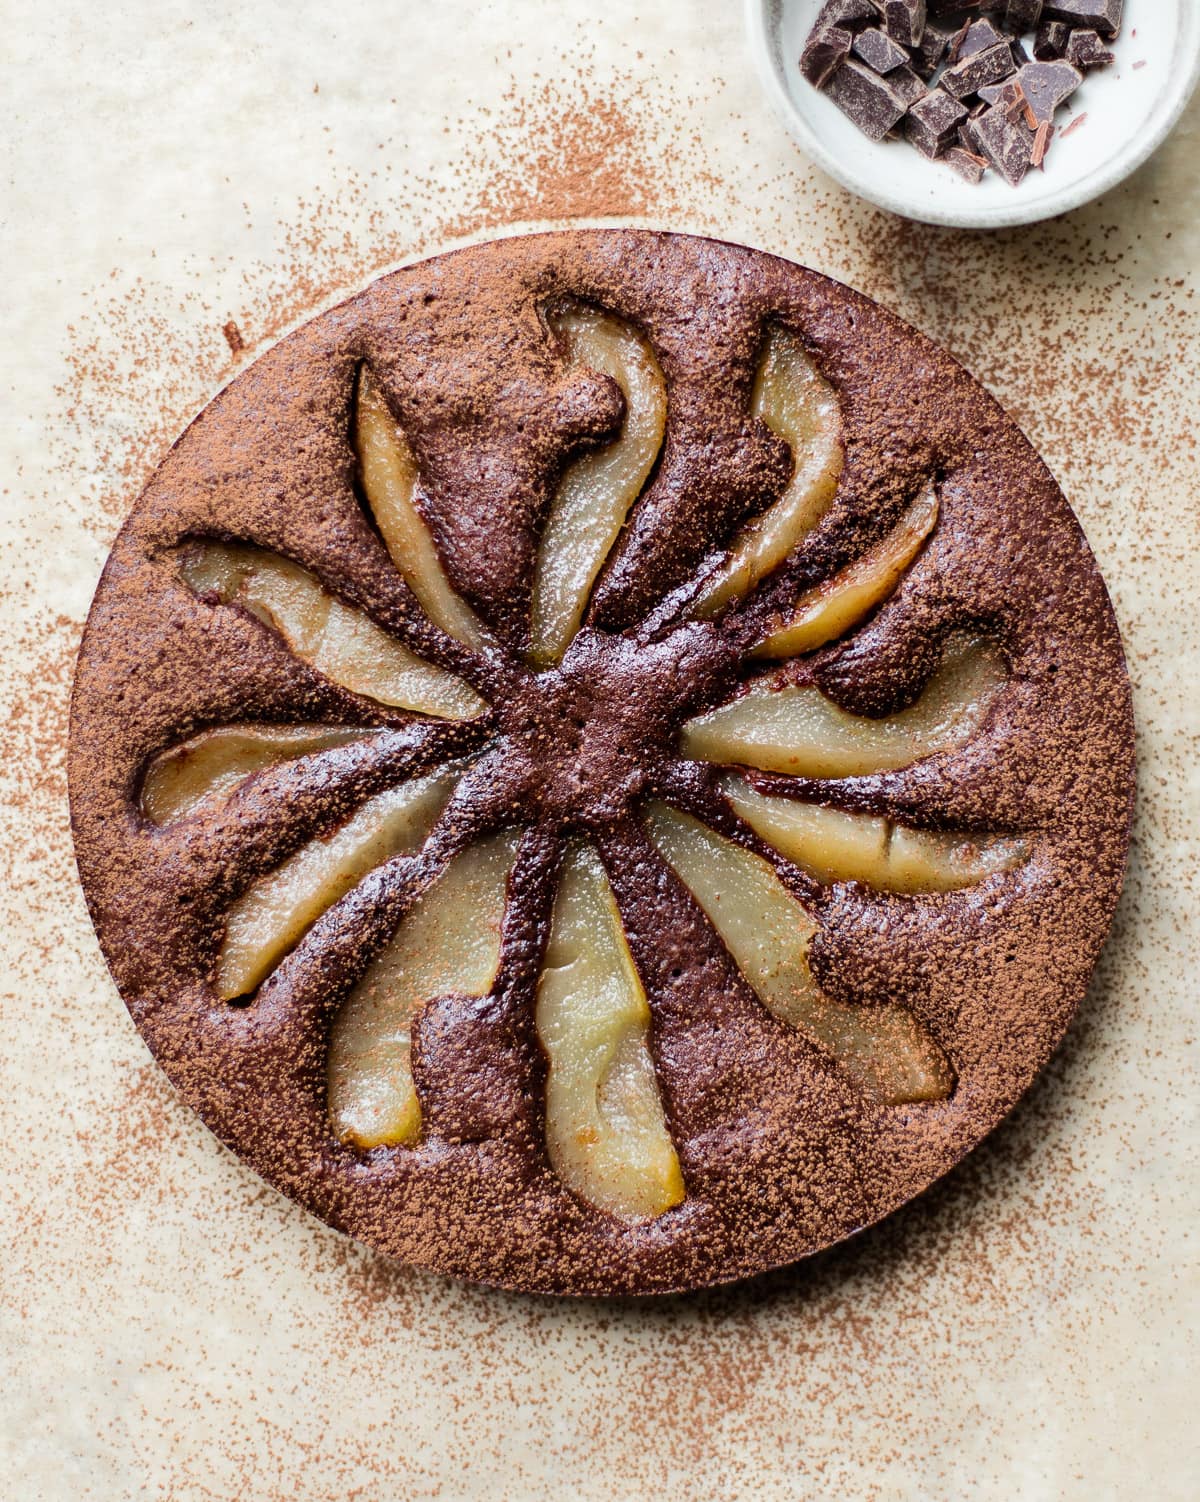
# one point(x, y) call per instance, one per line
point(935, 43)
point(1007, 144)
point(1085, 50)
point(1103, 16)
point(1022, 15)
point(878, 51)
point(1047, 85)
point(904, 21)
point(1052, 39)
point(870, 101)
point(932, 123)
point(1041, 144)
point(908, 85)
point(824, 53)
point(970, 75)
point(966, 163)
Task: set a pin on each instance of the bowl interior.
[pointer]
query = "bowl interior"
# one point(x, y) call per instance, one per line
point(1130, 107)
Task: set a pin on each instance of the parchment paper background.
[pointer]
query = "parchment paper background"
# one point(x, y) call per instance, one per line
point(174, 1330)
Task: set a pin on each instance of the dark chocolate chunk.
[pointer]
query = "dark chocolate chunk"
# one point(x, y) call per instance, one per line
point(908, 85)
point(1052, 39)
point(968, 133)
point(1007, 144)
point(932, 123)
point(1017, 48)
point(905, 21)
point(1011, 95)
point(1001, 93)
point(966, 163)
point(976, 36)
point(824, 53)
point(1103, 16)
point(1022, 15)
point(1046, 85)
point(870, 101)
point(848, 13)
point(970, 75)
point(878, 51)
point(935, 43)
point(1085, 50)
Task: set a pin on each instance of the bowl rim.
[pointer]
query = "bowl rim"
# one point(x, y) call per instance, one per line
point(761, 16)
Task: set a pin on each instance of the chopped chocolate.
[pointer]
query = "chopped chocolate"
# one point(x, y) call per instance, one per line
point(1046, 85)
point(908, 85)
point(878, 51)
point(824, 53)
point(1041, 144)
point(905, 21)
point(1085, 50)
point(1007, 144)
point(966, 163)
point(1052, 39)
point(900, 70)
point(935, 43)
point(1022, 15)
point(980, 68)
point(870, 101)
point(932, 123)
point(1074, 125)
point(1103, 16)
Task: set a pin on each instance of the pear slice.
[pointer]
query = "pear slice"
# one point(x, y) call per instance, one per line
point(885, 1049)
point(596, 492)
point(832, 608)
point(390, 482)
point(605, 1130)
point(799, 405)
point(340, 642)
point(448, 941)
point(206, 769)
point(797, 729)
point(272, 915)
point(833, 845)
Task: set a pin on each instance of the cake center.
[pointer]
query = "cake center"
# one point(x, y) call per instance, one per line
point(595, 726)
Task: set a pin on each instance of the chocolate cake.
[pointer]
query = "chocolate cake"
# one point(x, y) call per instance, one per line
point(602, 764)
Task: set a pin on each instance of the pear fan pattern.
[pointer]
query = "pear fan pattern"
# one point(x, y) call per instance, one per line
point(607, 1134)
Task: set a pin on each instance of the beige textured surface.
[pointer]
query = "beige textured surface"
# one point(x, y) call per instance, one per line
point(169, 1328)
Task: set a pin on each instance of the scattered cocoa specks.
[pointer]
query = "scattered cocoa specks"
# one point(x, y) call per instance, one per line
point(233, 337)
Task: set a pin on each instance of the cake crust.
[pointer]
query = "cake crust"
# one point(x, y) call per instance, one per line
point(781, 1154)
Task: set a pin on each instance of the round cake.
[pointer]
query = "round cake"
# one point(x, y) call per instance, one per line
point(602, 764)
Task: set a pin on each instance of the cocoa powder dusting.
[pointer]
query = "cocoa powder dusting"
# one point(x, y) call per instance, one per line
point(886, 1366)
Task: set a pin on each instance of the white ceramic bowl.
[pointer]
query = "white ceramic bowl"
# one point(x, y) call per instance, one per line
point(1130, 111)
